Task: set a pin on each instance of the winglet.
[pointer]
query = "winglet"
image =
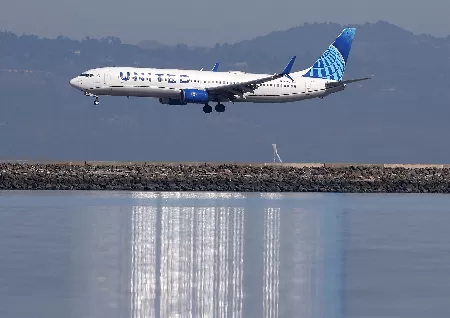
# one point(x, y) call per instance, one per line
point(216, 67)
point(288, 68)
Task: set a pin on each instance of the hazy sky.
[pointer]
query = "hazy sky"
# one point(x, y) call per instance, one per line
point(205, 22)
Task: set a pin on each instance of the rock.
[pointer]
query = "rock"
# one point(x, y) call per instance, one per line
point(225, 177)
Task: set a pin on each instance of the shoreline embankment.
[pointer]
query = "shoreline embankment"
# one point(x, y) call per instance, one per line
point(226, 177)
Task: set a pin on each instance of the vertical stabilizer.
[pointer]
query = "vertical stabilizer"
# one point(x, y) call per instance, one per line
point(331, 65)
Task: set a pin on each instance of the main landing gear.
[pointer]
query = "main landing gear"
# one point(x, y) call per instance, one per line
point(220, 108)
point(207, 109)
point(96, 101)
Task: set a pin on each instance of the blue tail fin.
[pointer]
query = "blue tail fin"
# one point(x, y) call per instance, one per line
point(331, 65)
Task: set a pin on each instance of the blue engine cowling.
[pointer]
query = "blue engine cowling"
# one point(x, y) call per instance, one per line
point(196, 96)
point(171, 101)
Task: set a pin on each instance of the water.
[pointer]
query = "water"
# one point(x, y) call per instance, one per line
point(131, 254)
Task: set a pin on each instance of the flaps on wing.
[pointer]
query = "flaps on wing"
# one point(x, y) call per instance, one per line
point(249, 86)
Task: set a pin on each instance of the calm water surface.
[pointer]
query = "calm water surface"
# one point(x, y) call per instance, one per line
point(133, 254)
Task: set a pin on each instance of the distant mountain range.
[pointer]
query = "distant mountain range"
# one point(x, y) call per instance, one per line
point(401, 115)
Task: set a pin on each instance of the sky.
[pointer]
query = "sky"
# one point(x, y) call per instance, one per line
point(207, 22)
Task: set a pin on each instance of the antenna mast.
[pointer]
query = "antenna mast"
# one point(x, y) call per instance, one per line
point(275, 153)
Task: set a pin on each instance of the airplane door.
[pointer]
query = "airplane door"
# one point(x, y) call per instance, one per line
point(107, 77)
point(308, 85)
point(97, 78)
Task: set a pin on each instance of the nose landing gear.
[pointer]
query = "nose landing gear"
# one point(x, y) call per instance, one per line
point(96, 101)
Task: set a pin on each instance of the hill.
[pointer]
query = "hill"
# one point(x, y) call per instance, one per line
point(401, 115)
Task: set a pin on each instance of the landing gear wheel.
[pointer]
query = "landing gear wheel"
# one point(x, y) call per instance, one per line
point(207, 109)
point(220, 108)
point(96, 101)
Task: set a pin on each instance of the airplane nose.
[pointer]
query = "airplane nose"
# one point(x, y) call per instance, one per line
point(72, 82)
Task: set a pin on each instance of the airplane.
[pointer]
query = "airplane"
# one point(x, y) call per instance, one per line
point(183, 87)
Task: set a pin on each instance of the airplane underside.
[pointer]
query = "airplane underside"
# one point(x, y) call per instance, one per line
point(171, 97)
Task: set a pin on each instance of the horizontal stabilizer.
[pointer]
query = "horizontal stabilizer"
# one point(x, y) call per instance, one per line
point(339, 83)
point(355, 80)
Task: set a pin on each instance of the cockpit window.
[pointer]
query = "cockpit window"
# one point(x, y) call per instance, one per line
point(86, 75)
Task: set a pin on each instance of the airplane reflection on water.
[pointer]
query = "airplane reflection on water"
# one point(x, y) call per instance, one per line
point(223, 258)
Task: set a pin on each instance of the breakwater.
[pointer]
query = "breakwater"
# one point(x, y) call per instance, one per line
point(289, 177)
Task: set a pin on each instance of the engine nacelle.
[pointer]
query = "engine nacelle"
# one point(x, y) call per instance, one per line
point(196, 96)
point(171, 101)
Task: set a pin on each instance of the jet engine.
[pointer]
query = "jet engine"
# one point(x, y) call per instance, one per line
point(196, 96)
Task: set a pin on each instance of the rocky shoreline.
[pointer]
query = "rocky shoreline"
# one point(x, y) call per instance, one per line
point(225, 178)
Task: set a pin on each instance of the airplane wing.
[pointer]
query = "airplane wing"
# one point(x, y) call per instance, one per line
point(230, 90)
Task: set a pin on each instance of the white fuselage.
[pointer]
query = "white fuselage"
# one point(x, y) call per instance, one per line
point(167, 83)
